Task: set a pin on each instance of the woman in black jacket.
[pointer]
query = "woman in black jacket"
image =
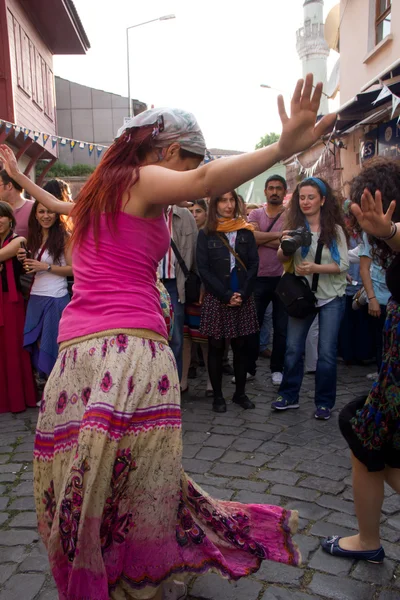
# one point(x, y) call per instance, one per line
point(227, 259)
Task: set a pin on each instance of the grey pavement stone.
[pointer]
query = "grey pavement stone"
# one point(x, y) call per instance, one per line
point(258, 460)
point(265, 427)
point(24, 503)
point(50, 594)
point(287, 464)
point(338, 461)
point(27, 476)
point(307, 545)
point(249, 486)
point(12, 554)
point(22, 585)
point(35, 562)
point(272, 448)
point(24, 489)
point(210, 453)
point(390, 534)
point(6, 571)
point(294, 492)
point(386, 595)
point(391, 505)
point(340, 588)
point(25, 447)
point(6, 450)
point(213, 480)
point(343, 520)
point(16, 537)
point(392, 551)
point(24, 519)
point(243, 444)
point(219, 441)
point(277, 593)
point(324, 529)
point(321, 561)
point(229, 470)
point(394, 522)
point(320, 469)
point(377, 574)
point(190, 450)
point(23, 456)
point(257, 498)
point(3, 517)
point(10, 468)
point(325, 486)
point(3, 502)
point(233, 456)
point(255, 434)
point(221, 430)
point(227, 421)
point(336, 504)
point(308, 510)
point(4, 458)
point(212, 586)
point(274, 572)
point(194, 437)
point(218, 493)
point(274, 476)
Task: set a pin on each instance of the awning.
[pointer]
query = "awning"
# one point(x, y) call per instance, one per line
point(362, 108)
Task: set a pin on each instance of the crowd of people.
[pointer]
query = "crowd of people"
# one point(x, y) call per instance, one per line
point(118, 516)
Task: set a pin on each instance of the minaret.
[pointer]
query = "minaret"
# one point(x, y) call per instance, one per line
point(312, 47)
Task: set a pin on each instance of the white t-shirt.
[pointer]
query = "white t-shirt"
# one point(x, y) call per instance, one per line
point(47, 283)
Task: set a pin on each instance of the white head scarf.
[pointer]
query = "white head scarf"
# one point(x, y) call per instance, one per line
point(170, 125)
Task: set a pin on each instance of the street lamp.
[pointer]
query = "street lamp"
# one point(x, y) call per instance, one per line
point(163, 18)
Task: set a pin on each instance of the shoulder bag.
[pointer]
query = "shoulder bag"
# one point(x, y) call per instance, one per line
point(295, 292)
point(193, 282)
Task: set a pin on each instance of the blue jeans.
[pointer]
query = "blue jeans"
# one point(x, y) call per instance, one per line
point(179, 320)
point(330, 318)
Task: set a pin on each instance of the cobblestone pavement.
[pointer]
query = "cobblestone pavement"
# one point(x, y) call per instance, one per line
point(249, 456)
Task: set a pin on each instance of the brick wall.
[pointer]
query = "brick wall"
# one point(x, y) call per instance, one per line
point(329, 168)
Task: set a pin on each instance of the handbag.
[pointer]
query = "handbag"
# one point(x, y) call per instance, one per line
point(192, 283)
point(166, 307)
point(295, 292)
point(360, 299)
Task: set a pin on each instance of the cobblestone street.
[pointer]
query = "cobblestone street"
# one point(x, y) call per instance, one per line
point(249, 456)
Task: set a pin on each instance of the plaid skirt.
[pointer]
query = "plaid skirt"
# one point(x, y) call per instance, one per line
point(219, 320)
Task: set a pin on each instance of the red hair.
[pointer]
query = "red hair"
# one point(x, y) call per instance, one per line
point(115, 175)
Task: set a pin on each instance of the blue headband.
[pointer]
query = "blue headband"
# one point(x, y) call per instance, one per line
point(318, 182)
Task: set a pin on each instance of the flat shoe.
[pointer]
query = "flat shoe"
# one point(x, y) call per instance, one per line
point(219, 405)
point(331, 545)
point(209, 394)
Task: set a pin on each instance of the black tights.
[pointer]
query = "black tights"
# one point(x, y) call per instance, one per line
point(216, 350)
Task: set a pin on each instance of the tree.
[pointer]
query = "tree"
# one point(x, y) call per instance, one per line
point(267, 140)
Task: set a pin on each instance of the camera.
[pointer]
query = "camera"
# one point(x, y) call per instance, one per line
point(295, 239)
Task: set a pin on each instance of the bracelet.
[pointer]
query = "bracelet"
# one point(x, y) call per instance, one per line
point(393, 232)
point(372, 298)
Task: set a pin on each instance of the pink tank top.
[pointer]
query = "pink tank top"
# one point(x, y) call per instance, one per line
point(115, 286)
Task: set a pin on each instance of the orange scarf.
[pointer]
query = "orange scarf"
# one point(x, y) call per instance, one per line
point(228, 225)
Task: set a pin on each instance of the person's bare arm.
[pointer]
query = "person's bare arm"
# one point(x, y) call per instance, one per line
point(11, 249)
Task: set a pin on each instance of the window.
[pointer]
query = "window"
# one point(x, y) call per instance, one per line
point(383, 17)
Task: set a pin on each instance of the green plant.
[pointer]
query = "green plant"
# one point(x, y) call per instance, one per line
point(267, 140)
point(61, 170)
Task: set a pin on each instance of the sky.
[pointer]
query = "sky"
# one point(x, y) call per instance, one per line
point(210, 59)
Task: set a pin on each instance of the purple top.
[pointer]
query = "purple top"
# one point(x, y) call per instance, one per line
point(115, 286)
point(269, 263)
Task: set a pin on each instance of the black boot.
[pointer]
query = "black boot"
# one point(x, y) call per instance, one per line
point(219, 405)
point(243, 401)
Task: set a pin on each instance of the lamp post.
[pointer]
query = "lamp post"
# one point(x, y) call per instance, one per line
point(163, 18)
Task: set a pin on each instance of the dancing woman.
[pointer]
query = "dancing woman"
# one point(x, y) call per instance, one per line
point(371, 427)
point(116, 512)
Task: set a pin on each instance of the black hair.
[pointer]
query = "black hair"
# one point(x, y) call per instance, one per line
point(58, 188)
point(7, 211)
point(276, 178)
point(202, 203)
point(7, 179)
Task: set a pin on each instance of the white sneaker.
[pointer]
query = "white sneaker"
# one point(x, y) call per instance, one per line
point(249, 377)
point(276, 378)
point(372, 376)
point(174, 590)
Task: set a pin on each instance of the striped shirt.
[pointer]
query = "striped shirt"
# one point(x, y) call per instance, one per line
point(166, 267)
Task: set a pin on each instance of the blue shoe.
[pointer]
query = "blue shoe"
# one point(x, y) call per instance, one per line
point(322, 413)
point(331, 545)
point(282, 404)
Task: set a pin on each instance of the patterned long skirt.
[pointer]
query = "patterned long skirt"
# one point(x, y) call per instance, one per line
point(115, 510)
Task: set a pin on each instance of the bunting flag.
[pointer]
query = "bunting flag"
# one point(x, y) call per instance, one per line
point(45, 138)
point(8, 127)
point(309, 171)
point(395, 103)
point(63, 141)
point(26, 133)
point(99, 150)
point(91, 148)
point(17, 130)
point(36, 136)
point(54, 141)
point(82, 145)
point(72, 144)
point(384, 93)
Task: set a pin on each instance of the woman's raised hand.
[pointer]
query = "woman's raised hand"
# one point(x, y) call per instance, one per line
point(370, 215)
point(7, 157)
point(301, 130)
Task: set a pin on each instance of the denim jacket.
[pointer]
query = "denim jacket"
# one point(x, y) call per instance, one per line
point(213, 263)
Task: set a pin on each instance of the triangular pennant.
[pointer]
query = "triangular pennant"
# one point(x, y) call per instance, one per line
point(384, 93)
point(26, 133)
point(72, 144)
point(395, 103)
point(90, 148)
point(17, 130)
point(36, 135)
point(82, 145)
point(8, 127)
point(54, 140)
point(63, 141)
point(45, 138)
point(99, 150)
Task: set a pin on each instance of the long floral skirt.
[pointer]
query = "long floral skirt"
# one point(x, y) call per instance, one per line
point(115, 510)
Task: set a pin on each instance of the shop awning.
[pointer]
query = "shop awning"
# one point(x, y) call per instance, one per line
point(362, 107)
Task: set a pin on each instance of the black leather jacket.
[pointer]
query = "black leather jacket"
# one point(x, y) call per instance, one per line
point(213, 262)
